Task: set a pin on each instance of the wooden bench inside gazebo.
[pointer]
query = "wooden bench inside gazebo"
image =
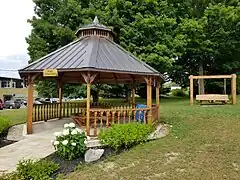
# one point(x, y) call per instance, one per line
point(94, 58)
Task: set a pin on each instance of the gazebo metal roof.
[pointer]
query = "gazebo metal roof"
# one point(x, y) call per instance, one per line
point(92, 53)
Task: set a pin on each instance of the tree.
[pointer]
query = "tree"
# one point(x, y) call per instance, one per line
point(137, 24)
point(211, 42)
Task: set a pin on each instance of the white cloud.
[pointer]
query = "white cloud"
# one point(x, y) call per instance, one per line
point(13, 30)
point(14, 26)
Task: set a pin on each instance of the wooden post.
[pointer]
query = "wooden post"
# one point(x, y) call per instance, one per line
point(88, 107)
point(225, 86)
point(157, 99)
point(191, 90)
point(88, 79)
point(133, 95)
point(149, 98)
point(30, 105)
point(234, 92)
point(60, 97)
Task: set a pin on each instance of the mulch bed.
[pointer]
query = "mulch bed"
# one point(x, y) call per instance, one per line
point(66, 166)
point(3, 140)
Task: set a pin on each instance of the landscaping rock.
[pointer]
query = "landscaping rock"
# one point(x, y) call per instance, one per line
point(93, 155)
point(160, 132)
point(15, 133)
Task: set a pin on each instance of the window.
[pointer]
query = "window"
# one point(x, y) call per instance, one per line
point(23, 85)
point(5, 84)
point(13, 84)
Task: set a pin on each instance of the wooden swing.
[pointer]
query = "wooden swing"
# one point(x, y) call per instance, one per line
point(214, 97)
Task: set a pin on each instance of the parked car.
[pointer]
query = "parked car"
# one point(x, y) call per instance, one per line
point(35, 102)
point(1, 104)
point(12, 105)
point(20, 101)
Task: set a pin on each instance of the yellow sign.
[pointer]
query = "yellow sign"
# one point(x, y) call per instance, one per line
point(50, 73)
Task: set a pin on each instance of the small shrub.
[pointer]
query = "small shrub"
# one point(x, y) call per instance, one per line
point(178, 93)
point(10, 176)
point(70, 143)
point(4, 123)
point(125, 135)
point(36, 170)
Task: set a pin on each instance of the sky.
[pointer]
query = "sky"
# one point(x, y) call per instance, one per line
point(13, 30)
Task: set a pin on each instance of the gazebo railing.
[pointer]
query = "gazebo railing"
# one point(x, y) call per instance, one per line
point(100, 118)
point(44, 112)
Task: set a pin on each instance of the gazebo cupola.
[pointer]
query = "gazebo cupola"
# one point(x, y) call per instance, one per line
point(95, 29)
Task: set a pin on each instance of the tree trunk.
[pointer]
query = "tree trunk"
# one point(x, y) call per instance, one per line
point(127, 94)
point(201, 88)
point(95, 94)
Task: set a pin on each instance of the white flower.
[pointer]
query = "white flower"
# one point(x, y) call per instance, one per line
point(52, 141)
point(88, 138)
point(66, 125)
point(57, 134)
point(65, 132)
point(72, 125)
point(56, 142)
point(74, 132)
point(78, 130)
point(65, 142)
point(73, 144)
point(85, 142)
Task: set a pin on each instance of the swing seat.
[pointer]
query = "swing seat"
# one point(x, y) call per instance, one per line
point(212, 98)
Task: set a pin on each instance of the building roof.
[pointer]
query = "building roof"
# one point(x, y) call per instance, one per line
point(9, 74)
point(92, 53)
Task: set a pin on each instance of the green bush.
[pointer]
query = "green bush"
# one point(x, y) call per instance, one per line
point(178, 93)
point(32, 170)
point(4, 123)
point(125, 135)
point(70, 143)
point(36, 170)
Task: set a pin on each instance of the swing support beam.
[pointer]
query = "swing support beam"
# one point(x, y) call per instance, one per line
point(233, 78)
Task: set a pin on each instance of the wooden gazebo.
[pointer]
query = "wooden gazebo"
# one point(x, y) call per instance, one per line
point(92, 58)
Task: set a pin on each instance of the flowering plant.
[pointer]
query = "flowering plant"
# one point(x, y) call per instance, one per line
point(71, 142)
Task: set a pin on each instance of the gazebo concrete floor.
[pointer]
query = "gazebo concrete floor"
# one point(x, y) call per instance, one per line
point(35, 146)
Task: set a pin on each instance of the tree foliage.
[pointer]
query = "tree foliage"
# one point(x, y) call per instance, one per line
point(174, 36)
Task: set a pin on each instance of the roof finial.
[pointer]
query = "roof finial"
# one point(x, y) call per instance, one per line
point(95, 21)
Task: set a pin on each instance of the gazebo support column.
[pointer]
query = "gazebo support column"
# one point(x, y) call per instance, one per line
point(133, 95)
point(88, 107)
point(157, 99)
point(30, 104)
point(60, 97)
point(149, 98)
point(88, 79)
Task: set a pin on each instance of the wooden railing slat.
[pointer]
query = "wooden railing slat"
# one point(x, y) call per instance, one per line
point(95, 123)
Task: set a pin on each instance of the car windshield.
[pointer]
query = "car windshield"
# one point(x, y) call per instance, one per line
point(9, 101)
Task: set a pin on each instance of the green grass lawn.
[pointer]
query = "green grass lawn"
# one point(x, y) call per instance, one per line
point(203, 144)
point(16, 116)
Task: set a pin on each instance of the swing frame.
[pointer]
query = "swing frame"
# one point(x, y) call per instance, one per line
point(214, 97)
